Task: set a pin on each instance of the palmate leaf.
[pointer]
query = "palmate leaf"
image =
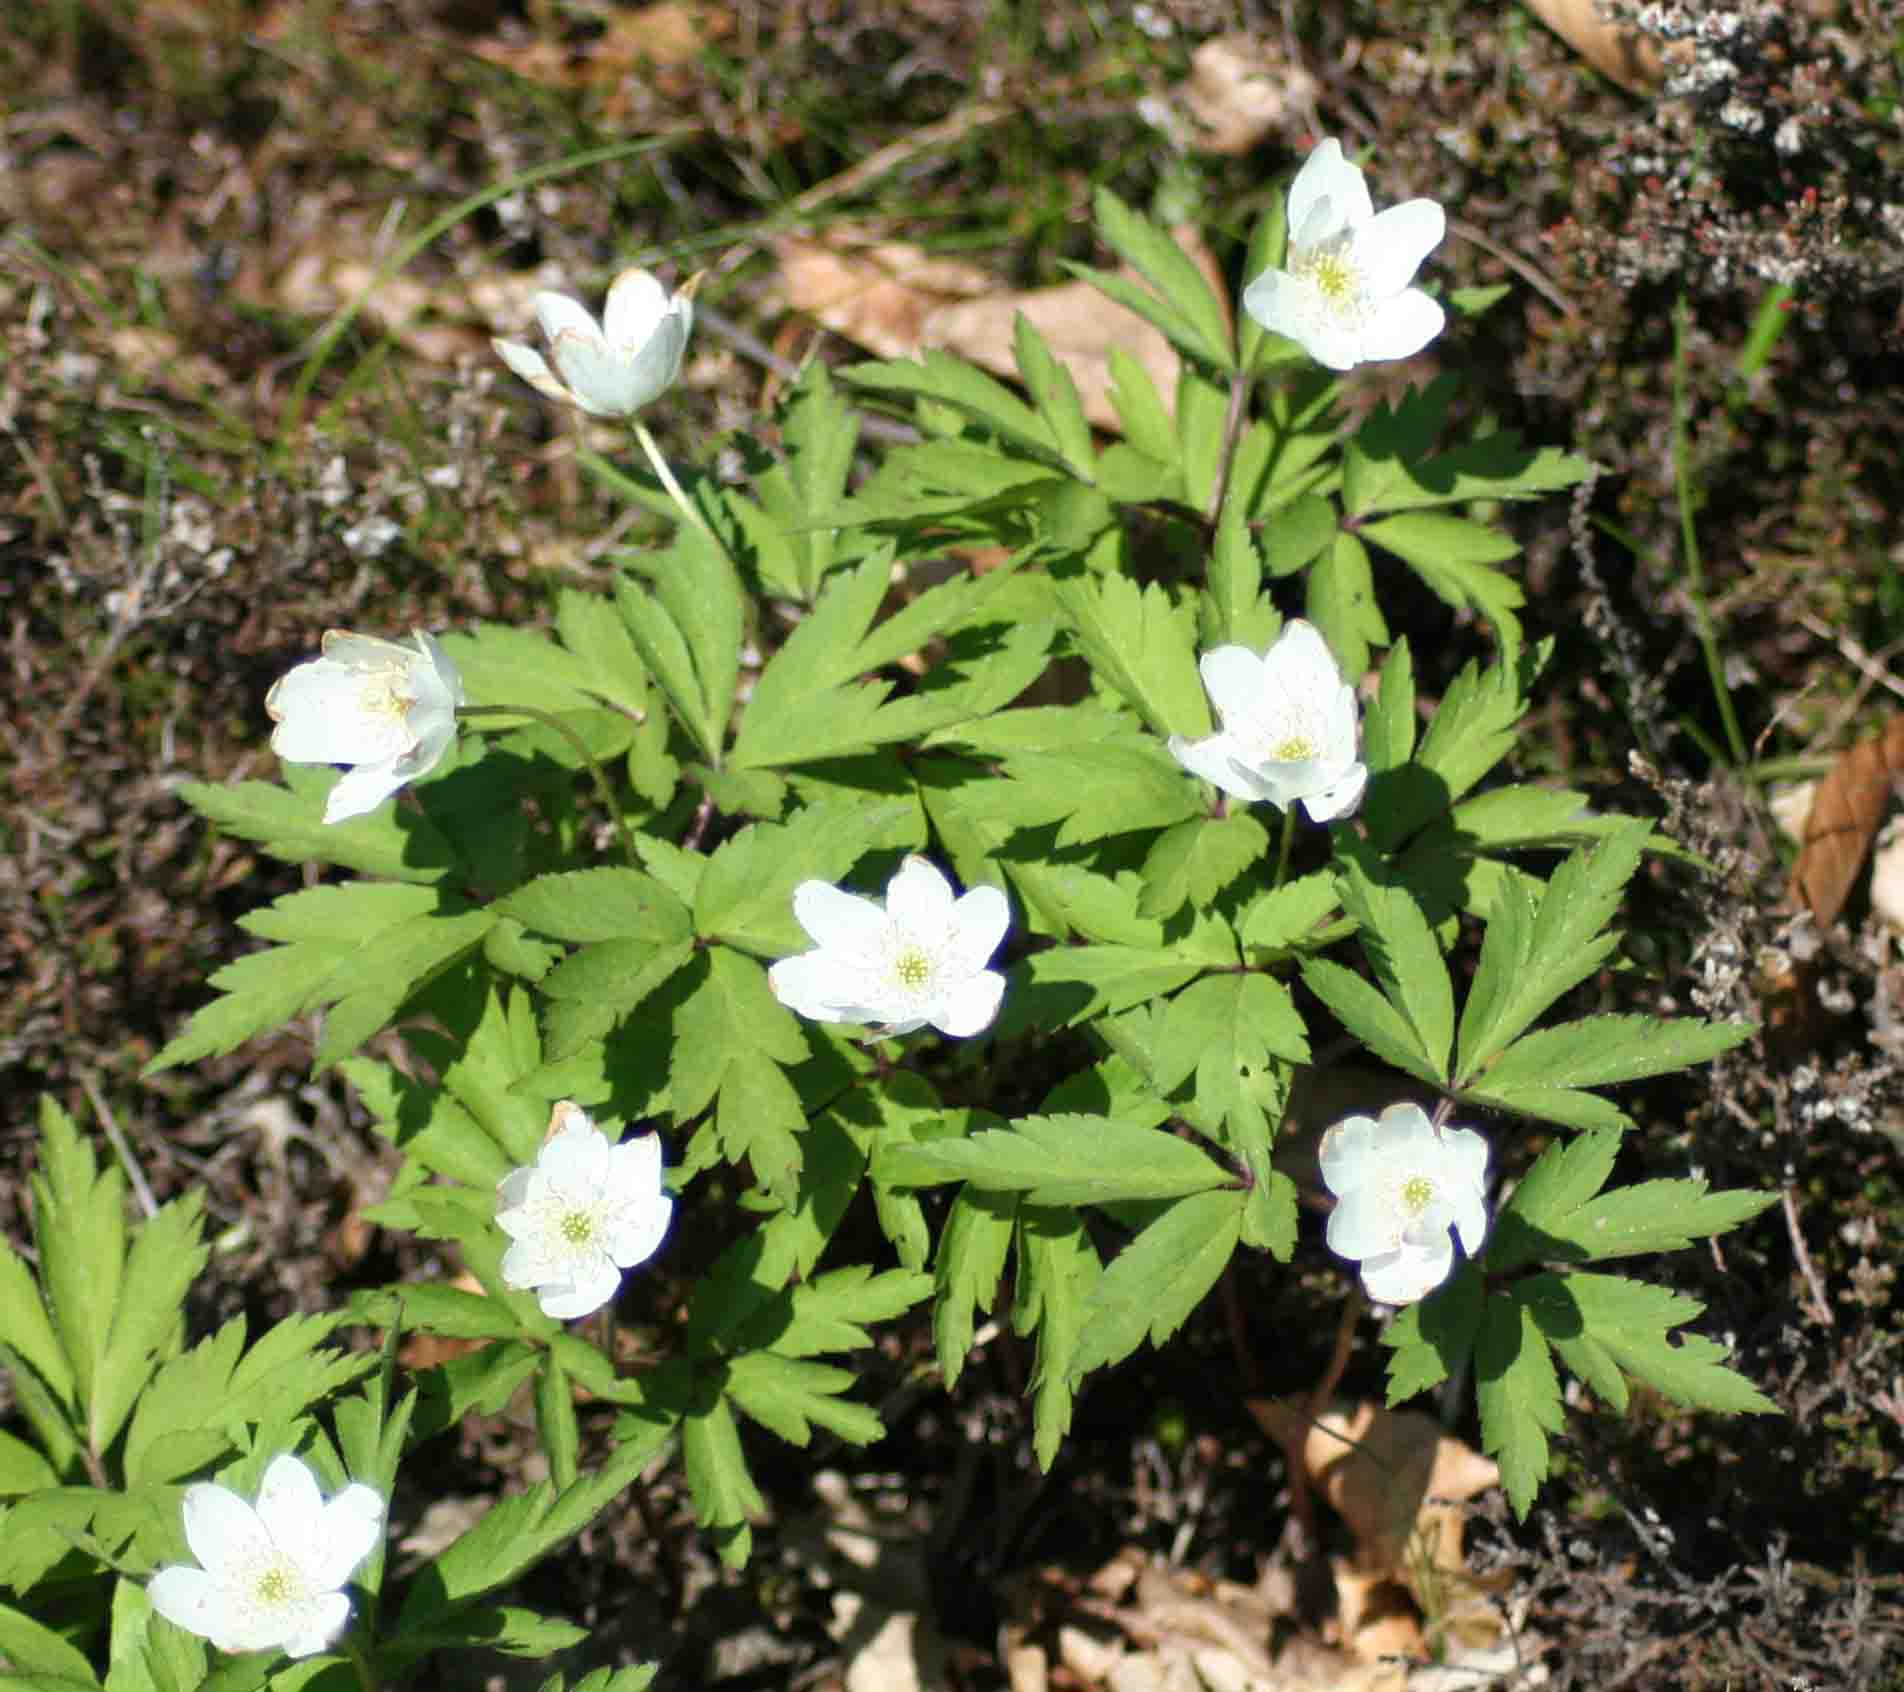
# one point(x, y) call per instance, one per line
point(971, 1258)
point(787, 1395)
point(1195, 860)
point(393, 840)
point(1055, 1160)
point(168, 1251)
point(1531, 956)
point(1142, 646)
point(830, 1312)
point(1184, 306)
point(79, 1226)
point(1340, 600)
point(951, 381)
point(1154, 1283)
point(1103, 788)
point(1400, 946)
point(386, 972)
point(600, 904)
point(1056, 395)
point(1454, 556)
point(1070, 984)
point(1606, 1328)
point(1226, 1030)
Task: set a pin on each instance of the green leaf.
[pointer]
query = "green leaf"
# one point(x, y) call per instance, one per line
point(1227, 1029)
point(1146, 420)
point(830, 1314)
point(821, 435)
point(725, 1495)
point(1297, 534)
point(1654, 1216)
point(1154, 1283)
point(1056, 396)
point(1069, 984)
point(559, 1433)
point(1395, 938)
point(167, 1255)
point(1388, 725)
point(1194, 861)
point(392, 968)
point(971, 1258)
point(1518, 1395)
point(393, 840)
point(1529, 959)
point(1285, 918)
point(951, 381)
point(1452, 555)
point(1142, 646)
point(1057, 1268)
point(745, 897)
point(1056, 1160)
point(25, 1327)
point(1185, 306)
point(1106, 787)
point(1432, 1340)
point(43, 1657)
point(787, 1395)
point(1340, 601)
point(1605, 1327)
point(1597, 1050)
point(79, 1225)
point(600, 904)
point(22, 1469)
point(599, 986)
point(686, 624)
point(428, 1124)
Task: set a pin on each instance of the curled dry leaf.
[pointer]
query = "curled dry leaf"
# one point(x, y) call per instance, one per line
point(1618, 51)
point(1846, 809)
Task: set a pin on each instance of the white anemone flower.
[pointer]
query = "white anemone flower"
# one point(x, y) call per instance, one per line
point(919, 958)
point(1401, 1186)
point(1345, 294)
point(579, 1215)
point(271, 1575)
point(615, 367)
point(1289, 726)
point(387, 710)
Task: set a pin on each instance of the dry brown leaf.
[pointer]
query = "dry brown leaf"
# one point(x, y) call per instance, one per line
point(896, 301)
point(1240, 89)
point(1843, 821)
point(660, 37)
point(1623, 54)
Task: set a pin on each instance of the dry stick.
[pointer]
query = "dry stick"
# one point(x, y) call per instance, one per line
point(1805, 1265)
point(1525, 269)
point(134, 1174)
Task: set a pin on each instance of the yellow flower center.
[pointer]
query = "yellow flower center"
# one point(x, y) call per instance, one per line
point(577, 1227)
point(1293, 749)
point(277, 1585)
point(1333, 273)
point(1417, 1194)
point(913, 968)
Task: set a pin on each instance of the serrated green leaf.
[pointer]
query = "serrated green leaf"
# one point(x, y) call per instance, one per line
point(26, 1328)
point(1596, 1051)
point(1453, 556)
point(600, 904)
point(1055, 1160)
point(1057, 1269)
point(1654, 1216)
point(725, 1495)
point(1283, 918)
point(79, 1226)
point(745, 896)
point(557, 1430)
point(1518, 1395)
point(1339, 599)
point(1226, 1030)
point(1197, 321)
point(392, 968)
point(1297, 534)
point(599, 986)
point(971, 1258)
point(951, 381)
point(1388, 725)
point(167, 1255)
point(1568, 1106)
point(1106, 787)
point(829, 1314)
point(1068, 984)
point(1056, 395)
point(786, 1395)
point(1141, 409)
point(22, 1469)
point(1496, 466)
point(1433, 1339)
point(1142, 646)
point(1361, 1009)
point(427, 1124)
point(1153, 1284)
point(45, 1658)
point(394, 841)
point(1195, 860)
point(1400, 946)
point(1542, 955)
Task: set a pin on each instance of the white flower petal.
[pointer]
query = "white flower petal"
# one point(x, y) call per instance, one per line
point(837, 919)
point(1233, 677)
point(600, 377)
point(1401, 327)
point(980, 920)
point(575, 1162)
point(222, 1529)
point(289, 1504)
point(970, 1005)
point(362, 790)
point(526, 1264)
point(594, 1285)
point(188, 1598)
point(347, 1532)
point(323, 1619)
point(636, 304)
point(1327, 179)
point(919, 900)
point(558, 314)
point(1389, 249)
point(1339, 798)
point(516, 1188)
point(805, 985)
point(533, 368)
point(1404, 1277)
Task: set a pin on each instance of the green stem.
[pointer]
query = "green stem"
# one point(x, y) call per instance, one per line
point(1689, 544)
point(367, 1676)
point(549, 720)
point(675, 492)
point(1288, 840)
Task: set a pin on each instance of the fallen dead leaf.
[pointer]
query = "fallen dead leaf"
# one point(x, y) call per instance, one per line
point(1843, 821)
point(896, 301)
point(1242, 88)
point(660, 37)
point(1619, 52)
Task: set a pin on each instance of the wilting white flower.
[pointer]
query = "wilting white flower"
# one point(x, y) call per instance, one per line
point(1288, 726)
point(919, 958)
point(1345, 296)
point(579, 1215)
point(388, 710)
point(614, 368)
point(272, 1576)
point(1401, 1185)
